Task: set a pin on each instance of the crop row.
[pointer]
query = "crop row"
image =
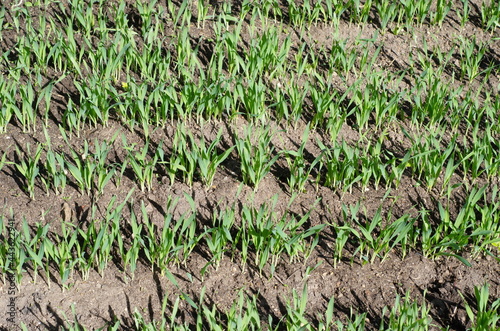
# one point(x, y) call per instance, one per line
point(175, 77)
point(404, 313)
point(260, 234)
point(190, 158)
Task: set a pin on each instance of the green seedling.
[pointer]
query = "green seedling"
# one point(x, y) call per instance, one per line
point(269, 236)
point(142, 165)
point(471, 57)
point(90, 170)
point(219, 237)
point(406, 314)
point(387, 12)
point(29, 167)
point(56, 177)
point(490, 15)
point(255, 152)
point(486, 316)
point(184, 157)
point(209, 158)
point(26, 115)
point(299, 169)
point(359, 12)
point(131, 255)
point(8, 91)
point(443, 7)
point(463, 14)
point(175, 241)
point(296, 310)
point(253, 99)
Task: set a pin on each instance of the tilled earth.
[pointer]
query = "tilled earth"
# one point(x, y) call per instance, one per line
point(356, 286)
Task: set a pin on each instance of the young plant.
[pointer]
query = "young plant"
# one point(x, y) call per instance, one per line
point(387, 12)
point(244, 314)
point(471, 56)
point(215, 99)
point(28, 166)
point(3, 160)
point(269, 9)
point(130, 255)
point(490, 14)
point(184, 157)
point(257, 226)
point(406, 314)
point(255, 151)
point(417, 10)
point(359, 13)
point(463, 14)
point(397, 167)
point(95, 100)
point(86, 166)
point(253, 98)
point(175, 241)
point(140, 101)
point(297, 14)
point(202, 16)
point(60, 253)
point(299, 170)
point(442, 9)
point(104, 171)
point(169, 106)
point(296, 311)
point(73, 118)
point(209, 159)
point(27, 115)
point(146, 10)
point(270, 235)
point(98, 243)
point(452, 236)
point(487, 315)
point(373, 167)
point(55, 172)
point(8, 93)
point(429, 159)
point(322, 100)
point(332, 11)
point(34, 246)
point(219, 236)
point(341, 166)
point(342, 234)
point(296, 97)
point(341, 58)
point(182, 14)
point(142, 165)
point(366, 236)
point(45, 97)
point(101, 238)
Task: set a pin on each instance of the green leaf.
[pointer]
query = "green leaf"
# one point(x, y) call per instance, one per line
point(460, 258)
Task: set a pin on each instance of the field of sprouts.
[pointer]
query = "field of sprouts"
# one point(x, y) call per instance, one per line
point(250, 165)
